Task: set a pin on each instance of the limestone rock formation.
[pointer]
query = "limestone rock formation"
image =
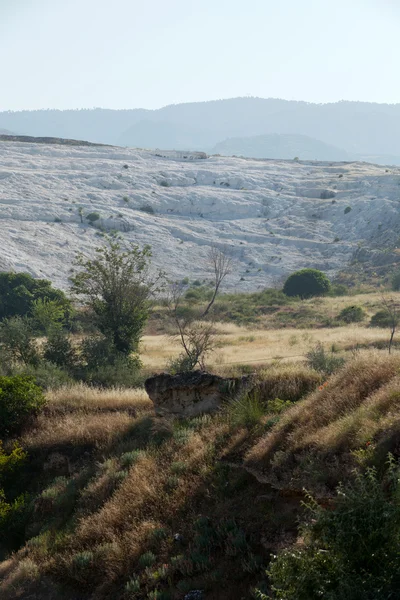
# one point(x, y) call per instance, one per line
point(190, 394)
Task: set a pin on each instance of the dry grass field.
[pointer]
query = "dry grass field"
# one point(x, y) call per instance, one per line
point(260, 343)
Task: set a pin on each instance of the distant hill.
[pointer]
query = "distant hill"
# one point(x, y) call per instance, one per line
point(280, 146)
point(359, 128)
point(6, 132)
point(43, 140)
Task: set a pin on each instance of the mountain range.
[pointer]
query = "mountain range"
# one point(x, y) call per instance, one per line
point(335, 131)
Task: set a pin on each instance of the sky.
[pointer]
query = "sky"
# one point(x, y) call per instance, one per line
point(150, 53)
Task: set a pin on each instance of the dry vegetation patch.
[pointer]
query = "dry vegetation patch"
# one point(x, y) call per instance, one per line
point(316, 442)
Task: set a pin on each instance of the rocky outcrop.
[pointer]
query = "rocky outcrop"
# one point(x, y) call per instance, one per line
point(191, 394)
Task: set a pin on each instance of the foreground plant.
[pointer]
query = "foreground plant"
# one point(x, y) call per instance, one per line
point(351, 552)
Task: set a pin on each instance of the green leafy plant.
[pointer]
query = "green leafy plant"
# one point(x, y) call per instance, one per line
point(20, 399)
point(307, 283)
point(322, 361)
point(352, 551)
point(352, 314)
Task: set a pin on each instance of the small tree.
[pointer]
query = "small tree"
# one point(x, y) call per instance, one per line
point(391, 309)
point(117, 286)
point(307, 283)
point(47, 315)
point(221, 264)
point(196, 338)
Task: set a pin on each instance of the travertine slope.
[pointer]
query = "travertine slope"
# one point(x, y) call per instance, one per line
point(275, 216)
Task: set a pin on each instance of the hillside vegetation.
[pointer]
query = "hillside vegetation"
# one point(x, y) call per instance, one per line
point(125, 505)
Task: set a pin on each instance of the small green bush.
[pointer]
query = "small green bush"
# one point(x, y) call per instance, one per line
point(20, 399)
point(352, 314)
point(322, 361)
point(47, 375)
point(350, 552)
point(93, 217)
point(247, 410)
point(59, 350)
point(307, 283)
point(381, 318)
point(147, 208)
point(347, 210)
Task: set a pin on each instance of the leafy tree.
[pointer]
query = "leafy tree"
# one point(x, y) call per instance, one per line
point(47, 315)
point(307, 283)
point(18, 340)
point(117, 286)
point(19, 291)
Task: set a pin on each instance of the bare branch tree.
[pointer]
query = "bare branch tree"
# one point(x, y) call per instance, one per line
point(393, 314)
point(196, 338)
point(221, 264)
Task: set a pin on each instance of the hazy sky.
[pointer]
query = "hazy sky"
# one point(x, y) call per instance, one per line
point(149, 53)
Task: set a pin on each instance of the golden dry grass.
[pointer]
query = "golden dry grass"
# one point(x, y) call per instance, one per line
point(242, 345)
point(359, 405)
point(82, 396)
point(80, 415)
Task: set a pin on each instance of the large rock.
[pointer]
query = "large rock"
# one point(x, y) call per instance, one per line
point(190, 394)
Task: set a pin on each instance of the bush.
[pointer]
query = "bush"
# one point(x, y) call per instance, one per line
point(18, 292)
point(59, 350)
point(347, 210)
point(306, 284)
point(352, 314)
point(147, 208)
point(20, 399)
point(350, 552)
point(382, 318)
point(103, 365)
point(180, 364)
point(247, 410)
point(92, 217)
point(17, 339)
point(47, 375)
point(324, 362)
point(339, 289)
point(12, 512)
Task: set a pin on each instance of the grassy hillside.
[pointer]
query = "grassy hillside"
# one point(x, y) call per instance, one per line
point(126, 505)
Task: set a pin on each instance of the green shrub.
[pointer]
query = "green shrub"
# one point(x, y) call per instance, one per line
point(59, 350)
point(18, 340)
point(102, 365)
point(47, 375)
point(350, 552)
point(352, 314)
point(247, 410)
point(307, 283)
point(92, 217)
point(382, 318)
point(20, 399)
point(147, 208)
point(324, 362)
point(18, 291)
point(347, 210)
point(338, 289)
